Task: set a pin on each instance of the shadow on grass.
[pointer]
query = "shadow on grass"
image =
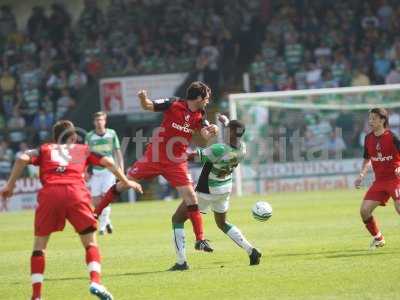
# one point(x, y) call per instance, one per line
point(53, 279)
point(137, 273)
point(337, 253)
point(170, 272)
point(124, 274)
point(365, 253)
point(317, 253)
point(103, 275)
point(66, 278)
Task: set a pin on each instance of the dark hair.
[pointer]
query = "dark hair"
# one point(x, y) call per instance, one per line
point(237, 126)
point(99, 114)
point(62, 131)
point(197, 88)
point(382, 113)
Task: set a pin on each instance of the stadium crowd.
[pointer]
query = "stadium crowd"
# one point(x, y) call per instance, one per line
point(46, 62)
point(322, 44)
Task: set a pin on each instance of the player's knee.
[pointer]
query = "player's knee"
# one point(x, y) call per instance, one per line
point(119, 187)
point(38, 252)
point(190, 197)
point(365, 213)
point(176, 218)
point(90, 229)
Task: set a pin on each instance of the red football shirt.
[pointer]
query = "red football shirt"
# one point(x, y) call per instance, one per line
point(383, 151)
point(176, 129)
point(63, 164)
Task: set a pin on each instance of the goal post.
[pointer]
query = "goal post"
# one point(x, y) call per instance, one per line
point(313, 118)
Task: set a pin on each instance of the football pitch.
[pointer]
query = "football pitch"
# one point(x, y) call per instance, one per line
point(314, 247)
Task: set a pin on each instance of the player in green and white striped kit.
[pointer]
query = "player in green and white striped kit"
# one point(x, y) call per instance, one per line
point(214, 188)
point(104, 141)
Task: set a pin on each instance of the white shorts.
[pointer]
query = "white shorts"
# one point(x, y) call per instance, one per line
point(219, 202)
point(100, 182)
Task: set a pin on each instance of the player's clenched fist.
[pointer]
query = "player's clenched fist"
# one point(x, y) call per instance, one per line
point(142, 94)
point(223, 119)
point(212, 129)
point(357, 182)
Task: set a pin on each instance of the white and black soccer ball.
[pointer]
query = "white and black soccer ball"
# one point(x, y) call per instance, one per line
point(262, 211)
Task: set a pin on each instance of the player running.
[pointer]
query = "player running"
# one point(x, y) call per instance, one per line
point(104, 141)
point(214, 189)
point(381, 148)
point(64, 196)
point(166, 154)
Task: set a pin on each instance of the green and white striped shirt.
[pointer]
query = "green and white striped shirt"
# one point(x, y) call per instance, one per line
point(104, 144)
point(219, 162)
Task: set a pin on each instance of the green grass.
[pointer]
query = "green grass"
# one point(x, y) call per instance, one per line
point(314, 246)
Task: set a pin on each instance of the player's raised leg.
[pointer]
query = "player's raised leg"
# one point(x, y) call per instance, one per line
point(104, 141)
point(178, 220)
point(367, 207)
point(100, 183)
point(96, 182)
point(38, 260)
point(110, 196)
point(105, 219)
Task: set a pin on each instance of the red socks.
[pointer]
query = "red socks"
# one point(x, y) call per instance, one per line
point(197, 221)
point(372, 227)
point(93, 263)
point(109, 197)
point(37, 270)
point(38, 264)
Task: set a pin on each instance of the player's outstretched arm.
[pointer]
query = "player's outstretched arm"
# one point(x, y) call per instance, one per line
point(19, 165)
point(145, 102)
point(364, 169)
point(120, 160)
point(109, 164)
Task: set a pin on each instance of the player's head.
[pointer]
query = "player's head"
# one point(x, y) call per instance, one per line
point(199, 94)
point(378, 118)
point(64, 132)
point(100, 120)
point(234, 131)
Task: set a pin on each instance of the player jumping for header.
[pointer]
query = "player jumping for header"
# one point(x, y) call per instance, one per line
point(214, 189)
point(166, 154)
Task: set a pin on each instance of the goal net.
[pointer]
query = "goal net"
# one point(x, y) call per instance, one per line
point(307, 139)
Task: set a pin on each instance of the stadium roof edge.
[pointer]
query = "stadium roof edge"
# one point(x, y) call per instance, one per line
point(310, 92)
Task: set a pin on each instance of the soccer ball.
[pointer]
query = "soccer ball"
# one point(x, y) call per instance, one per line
point(262, 211)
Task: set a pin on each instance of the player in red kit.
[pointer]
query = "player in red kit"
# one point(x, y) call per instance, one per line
point(64, 196)
point(166, 154)
point(381, 149)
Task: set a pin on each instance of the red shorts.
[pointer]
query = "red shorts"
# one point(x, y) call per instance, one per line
point(177, 174)
point(57, 203)
point(381, 191)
